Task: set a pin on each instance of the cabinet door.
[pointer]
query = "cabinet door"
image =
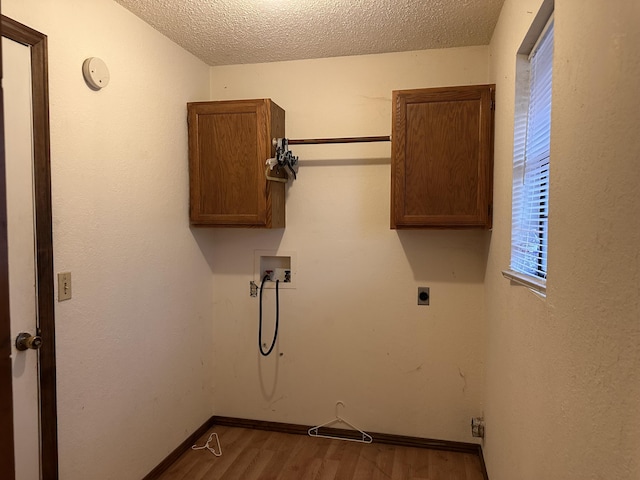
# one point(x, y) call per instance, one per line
point(442, 157)
point(229, 143)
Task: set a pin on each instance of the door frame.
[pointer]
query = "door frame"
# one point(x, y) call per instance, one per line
point(6, 380)
point(44, 250)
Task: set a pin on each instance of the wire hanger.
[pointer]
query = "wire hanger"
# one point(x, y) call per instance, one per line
point(314, 431)
point(208, 447)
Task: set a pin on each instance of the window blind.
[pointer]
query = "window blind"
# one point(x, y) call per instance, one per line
point(531, 166)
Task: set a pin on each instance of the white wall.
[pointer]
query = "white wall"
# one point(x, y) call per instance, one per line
point(351, 331)
point(134, 369)
point(563, 373)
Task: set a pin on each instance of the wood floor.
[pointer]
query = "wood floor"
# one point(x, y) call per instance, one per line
point(249, 454)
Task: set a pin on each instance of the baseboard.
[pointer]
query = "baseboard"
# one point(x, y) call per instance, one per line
point(164, 465)
point(384, 438)
point(482, 464)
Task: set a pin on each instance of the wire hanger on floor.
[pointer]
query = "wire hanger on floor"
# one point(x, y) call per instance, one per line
point(208, 447)
point(314, 431)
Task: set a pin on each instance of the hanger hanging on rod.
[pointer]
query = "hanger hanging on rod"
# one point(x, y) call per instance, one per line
point(315, 431)
point(284, 161)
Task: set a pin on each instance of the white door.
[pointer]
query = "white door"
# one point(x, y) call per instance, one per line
point(22, 272)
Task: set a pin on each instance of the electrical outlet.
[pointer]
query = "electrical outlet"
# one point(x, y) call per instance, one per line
point(477, 427)
point(423, 296)
point(64, 286)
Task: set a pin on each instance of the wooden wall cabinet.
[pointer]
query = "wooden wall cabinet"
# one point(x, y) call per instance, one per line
point(229, 142)
point(442, 157)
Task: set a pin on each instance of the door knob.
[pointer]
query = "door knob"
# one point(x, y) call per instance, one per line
point(26, 341)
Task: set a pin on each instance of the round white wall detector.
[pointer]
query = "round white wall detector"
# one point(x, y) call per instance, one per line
point(95, 72)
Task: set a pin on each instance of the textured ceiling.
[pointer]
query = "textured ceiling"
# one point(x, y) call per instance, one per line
point(226, 32)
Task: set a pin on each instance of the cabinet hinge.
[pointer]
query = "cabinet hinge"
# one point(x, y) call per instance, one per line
point(493, 104)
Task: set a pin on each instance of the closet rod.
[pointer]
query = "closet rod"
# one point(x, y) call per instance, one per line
point(320, 141)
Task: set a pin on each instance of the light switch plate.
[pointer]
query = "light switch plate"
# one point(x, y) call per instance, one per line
point(64, 286)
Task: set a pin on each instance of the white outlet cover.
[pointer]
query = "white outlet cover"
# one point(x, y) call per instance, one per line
point(95, 73)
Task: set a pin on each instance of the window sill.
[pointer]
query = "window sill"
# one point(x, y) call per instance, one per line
point(536, 284)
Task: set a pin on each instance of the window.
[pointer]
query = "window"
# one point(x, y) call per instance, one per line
point(530, 207)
